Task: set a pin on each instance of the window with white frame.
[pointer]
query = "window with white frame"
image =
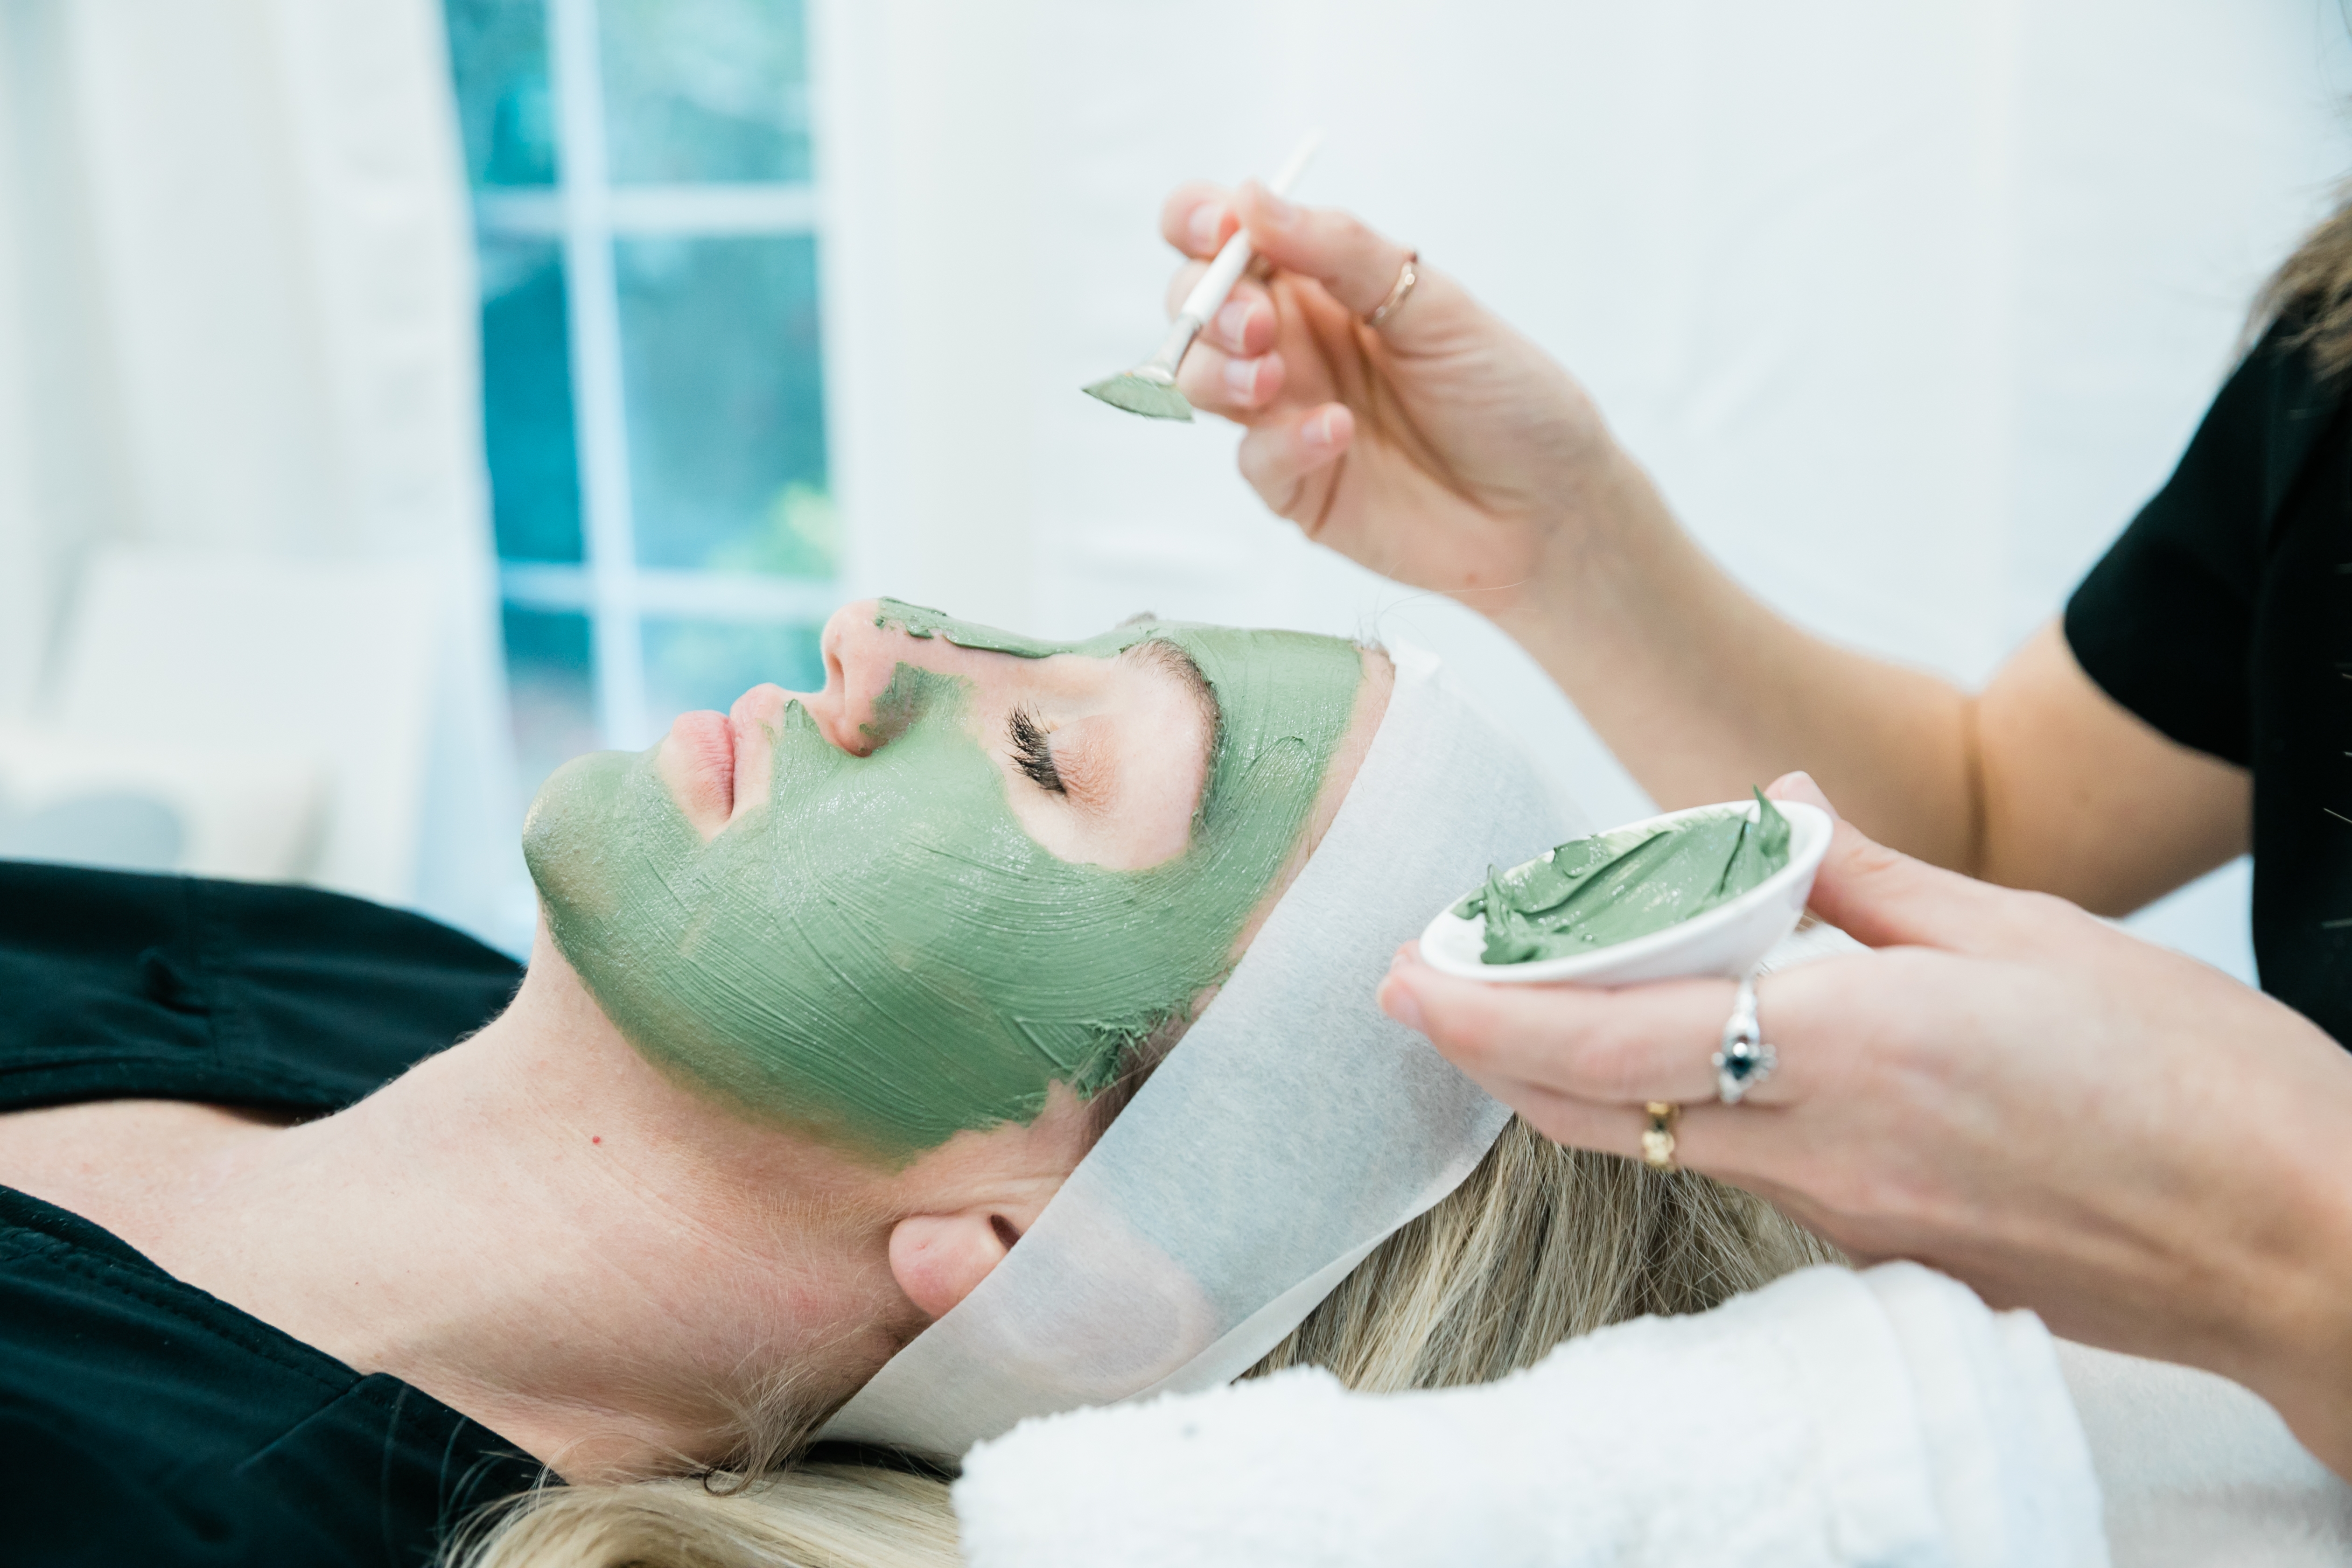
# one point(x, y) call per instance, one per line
point(653, 387)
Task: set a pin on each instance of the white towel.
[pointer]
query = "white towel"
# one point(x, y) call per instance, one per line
point(1831, 1418)
point(2201, 1473)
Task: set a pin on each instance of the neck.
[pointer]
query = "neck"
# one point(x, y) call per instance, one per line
point(537, 1229)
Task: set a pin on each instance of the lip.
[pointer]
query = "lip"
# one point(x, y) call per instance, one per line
point(739, 757)
point(708, 741)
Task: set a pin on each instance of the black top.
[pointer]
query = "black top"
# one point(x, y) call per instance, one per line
point(142, 1421)
point(2223, 617)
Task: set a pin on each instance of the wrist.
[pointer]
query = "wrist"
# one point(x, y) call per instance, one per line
point(2298, 1347)
point(1582, 526)
point(1606, 550)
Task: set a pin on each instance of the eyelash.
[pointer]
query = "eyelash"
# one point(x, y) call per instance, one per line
point(1032, 756)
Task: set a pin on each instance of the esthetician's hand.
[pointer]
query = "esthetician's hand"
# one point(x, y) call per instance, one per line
point(1442, 448)
point(2153, 1156)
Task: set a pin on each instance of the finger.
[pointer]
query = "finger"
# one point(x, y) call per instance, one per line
point(1356, 264)
point(1799, 785)
point(1238, 388)
point(1181, 284)
point(1884, 898)
point(1245, 324)
point(1197, 218)
point(1281, 456)
point(1624, 1046)
point(1253, 295)
point(1564, 1118)
point(1715, 1140)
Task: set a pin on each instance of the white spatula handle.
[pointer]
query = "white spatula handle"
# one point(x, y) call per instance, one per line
point(1235, 258)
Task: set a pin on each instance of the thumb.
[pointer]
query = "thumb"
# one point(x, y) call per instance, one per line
point(1358, 266)
point(1884, 898)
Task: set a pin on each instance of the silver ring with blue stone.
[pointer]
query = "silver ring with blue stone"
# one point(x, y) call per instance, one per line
point(1745, 1059)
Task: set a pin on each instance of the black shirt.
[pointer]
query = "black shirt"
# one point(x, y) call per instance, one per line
point(2223, 617)
point(142, 1421)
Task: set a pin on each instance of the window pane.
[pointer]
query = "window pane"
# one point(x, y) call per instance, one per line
point(498, 49)
point(547, 684)
point(708, 664)
point(527, 402)
point(705, 89)
point(726, 401)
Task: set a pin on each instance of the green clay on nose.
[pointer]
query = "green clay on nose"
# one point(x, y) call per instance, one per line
point(879, 953)
point(1616, 886)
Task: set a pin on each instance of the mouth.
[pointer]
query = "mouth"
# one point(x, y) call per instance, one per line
point(704, 743)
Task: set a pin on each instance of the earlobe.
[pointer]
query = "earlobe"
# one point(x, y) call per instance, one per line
point(938, 1259)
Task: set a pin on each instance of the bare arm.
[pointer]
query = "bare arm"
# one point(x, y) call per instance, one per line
point(2042, 780)
point(1445, 450)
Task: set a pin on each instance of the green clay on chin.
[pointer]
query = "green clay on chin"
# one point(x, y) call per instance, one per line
point(1613, 887)
point(880, 954)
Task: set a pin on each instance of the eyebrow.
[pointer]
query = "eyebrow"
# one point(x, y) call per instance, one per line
point(1082, 766)
point(1174, 660)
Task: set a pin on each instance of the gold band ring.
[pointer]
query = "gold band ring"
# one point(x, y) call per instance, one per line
point(1658, 1138)
point(1399, 293)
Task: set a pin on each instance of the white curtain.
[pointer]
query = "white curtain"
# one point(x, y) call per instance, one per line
point(1908, 303)
point(237, 319)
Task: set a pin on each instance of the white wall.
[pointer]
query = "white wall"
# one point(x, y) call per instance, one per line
point(238, 318)
point(1907, 305)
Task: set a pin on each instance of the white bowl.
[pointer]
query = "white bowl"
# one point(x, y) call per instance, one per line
point(1727, 940)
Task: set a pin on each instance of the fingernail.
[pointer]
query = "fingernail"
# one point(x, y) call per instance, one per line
point(1799, 785)
point(1398, 1002)
point(1320, 430)
point(1206, 219)
point(1241, 377)
point(1232, 320)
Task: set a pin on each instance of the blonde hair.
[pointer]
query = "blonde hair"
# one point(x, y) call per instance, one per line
point(1540, 1245)
point(2314, 285)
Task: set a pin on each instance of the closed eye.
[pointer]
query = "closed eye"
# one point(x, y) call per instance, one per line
point(1032, 756)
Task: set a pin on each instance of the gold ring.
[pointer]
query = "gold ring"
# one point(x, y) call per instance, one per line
point(1401, 291)
point(1658, 1140)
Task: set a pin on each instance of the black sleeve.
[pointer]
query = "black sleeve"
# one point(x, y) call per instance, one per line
point(183, 988)
point(2164, 623)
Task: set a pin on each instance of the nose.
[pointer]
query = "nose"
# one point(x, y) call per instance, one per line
point(860, 658)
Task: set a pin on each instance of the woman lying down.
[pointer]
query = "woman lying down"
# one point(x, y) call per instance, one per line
point(714, 1241)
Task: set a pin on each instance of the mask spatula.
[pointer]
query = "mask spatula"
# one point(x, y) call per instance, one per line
point(1149, 389)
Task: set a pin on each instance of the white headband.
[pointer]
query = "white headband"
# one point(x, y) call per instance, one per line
point(1290, 1131)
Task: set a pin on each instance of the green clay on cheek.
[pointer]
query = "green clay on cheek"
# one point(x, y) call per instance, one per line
point(879, 953)
point(1613, 887)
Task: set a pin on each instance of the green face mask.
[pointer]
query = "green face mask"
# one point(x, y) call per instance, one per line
point(879, 953)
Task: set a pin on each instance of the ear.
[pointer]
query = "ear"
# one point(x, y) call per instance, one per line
point(938, 1259)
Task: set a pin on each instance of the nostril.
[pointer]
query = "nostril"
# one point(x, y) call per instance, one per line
point(1006, 1231)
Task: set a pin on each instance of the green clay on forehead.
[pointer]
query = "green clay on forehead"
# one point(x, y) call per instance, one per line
point(879, 953)
point(1616, 886)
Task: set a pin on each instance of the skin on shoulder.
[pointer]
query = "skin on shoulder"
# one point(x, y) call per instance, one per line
point(590, 1255)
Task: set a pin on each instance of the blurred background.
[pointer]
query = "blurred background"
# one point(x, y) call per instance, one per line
point(399, 397)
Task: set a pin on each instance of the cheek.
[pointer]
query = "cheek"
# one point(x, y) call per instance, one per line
point(881, 955)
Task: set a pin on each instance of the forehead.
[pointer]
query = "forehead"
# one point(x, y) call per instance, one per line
point(1267, 686)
